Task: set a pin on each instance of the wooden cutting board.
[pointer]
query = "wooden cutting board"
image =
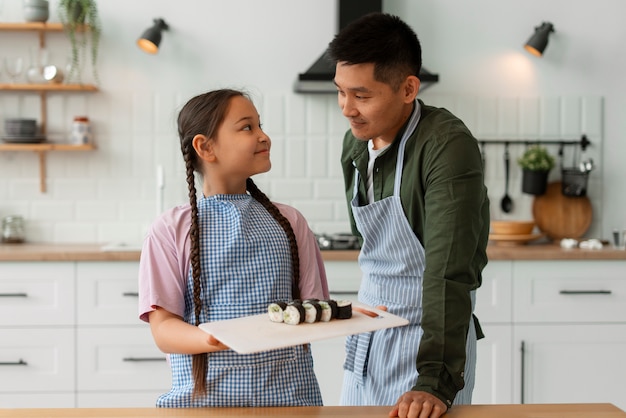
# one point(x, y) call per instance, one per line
point(560, 216)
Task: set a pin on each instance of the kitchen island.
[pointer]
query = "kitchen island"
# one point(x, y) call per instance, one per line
point(465, 411)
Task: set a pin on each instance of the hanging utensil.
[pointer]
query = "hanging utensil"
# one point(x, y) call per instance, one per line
point(506, 204)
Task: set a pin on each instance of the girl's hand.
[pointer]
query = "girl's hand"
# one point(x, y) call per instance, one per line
point(216, 344)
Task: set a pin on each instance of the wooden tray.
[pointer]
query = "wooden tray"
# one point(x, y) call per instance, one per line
point(251, 334)
point(511, 240)
point(560, 216)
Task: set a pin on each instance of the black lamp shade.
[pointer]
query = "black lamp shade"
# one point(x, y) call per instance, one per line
point(539, 40)
point(149, 40)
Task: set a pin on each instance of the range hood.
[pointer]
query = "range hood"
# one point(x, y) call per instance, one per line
point(319, 77)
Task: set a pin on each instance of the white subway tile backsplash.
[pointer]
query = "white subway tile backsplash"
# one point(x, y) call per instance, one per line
point(109, 194)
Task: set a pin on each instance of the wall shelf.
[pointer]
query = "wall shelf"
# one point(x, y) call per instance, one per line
point(43, 90)
point(41, 150)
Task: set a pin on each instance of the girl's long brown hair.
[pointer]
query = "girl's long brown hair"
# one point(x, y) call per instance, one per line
point(204, 114)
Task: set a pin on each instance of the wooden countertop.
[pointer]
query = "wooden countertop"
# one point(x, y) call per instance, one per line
point(466, 411)
point(94, 252)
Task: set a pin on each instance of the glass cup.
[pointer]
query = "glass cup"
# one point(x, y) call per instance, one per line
point(619, 239)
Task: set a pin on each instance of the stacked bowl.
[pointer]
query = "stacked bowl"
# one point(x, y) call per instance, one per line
point(20, 130)
point(512, 232)
point(36, 10)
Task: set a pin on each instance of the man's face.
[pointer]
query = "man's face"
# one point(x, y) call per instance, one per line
point(374, 109)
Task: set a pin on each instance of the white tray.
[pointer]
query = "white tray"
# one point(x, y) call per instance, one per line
point(251, 334)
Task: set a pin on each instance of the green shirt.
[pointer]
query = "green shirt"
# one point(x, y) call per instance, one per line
point(445, 201)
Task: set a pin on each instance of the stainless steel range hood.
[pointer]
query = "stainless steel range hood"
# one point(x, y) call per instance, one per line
point(319, 77)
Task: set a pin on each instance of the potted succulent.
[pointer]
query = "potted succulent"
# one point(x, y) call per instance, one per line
point(81, 22)
point(536, 163)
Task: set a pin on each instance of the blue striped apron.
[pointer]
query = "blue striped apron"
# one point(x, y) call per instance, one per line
point(246, 264)
point(380, 366)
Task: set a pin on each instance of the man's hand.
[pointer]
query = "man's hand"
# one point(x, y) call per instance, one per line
point(415, 404)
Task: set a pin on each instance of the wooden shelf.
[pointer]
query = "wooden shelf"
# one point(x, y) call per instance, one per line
point(41, 150)
point(46, 146)
point(43, 89)
point(39, 27)
point(48, 87)
point(31, 26)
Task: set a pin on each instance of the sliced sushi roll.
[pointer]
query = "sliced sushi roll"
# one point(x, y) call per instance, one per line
point(312, 312)
point(327, 312)
point(344, 309)
point(333, 308)
point(293, 314)
point(275, 311)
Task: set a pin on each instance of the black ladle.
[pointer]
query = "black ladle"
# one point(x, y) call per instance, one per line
point(506, 203)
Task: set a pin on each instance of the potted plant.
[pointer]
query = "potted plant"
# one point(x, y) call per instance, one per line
point(536, 163)
point(81, 22)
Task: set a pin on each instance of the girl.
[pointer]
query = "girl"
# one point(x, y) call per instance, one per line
point(228, 254)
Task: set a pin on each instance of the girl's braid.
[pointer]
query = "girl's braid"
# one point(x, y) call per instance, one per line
point(284, 223)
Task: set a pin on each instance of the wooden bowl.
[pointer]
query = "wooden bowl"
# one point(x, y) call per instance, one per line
point(512, 227)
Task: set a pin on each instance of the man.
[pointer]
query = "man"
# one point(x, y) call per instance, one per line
point(414, 185)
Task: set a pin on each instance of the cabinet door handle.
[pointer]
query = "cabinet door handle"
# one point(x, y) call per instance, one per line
point(585, 292)
point(143, 359)
point(523, 367)
point(131, 294)
point(13, 295)
point(343, 292)
point(20, 362)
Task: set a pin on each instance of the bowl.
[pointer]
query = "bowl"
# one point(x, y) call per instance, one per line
point(20, 127)
point(512, 227)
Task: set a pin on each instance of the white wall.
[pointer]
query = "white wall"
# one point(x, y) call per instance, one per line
point(109, 194)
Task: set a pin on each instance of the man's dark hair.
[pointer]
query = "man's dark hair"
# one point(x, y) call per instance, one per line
point(384, 40)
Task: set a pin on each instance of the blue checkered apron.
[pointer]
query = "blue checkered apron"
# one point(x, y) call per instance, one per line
point(246, 265)
point(380, 365)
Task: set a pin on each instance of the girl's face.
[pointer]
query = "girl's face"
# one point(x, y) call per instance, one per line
point(239, 150)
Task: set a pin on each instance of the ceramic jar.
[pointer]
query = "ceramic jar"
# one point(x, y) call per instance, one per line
point(81, 131)
point(36, 10)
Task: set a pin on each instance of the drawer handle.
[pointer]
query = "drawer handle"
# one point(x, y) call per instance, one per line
point(20, 362)
point(131, 294)
point(343, 292)
point(143, 359)
point(13, 295)
point(585, 292)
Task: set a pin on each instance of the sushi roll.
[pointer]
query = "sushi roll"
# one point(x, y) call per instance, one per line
point(344, 309)
point(327, 312)
point(275, 311)
point(312, 312)
point(293, 314)
point(332, 304)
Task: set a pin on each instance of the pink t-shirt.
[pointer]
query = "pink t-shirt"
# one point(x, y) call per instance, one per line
point(164, 263)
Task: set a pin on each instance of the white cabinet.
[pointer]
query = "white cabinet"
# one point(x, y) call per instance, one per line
point(570, 332)
point(37, 348)
point(563, 337)
point(344, 278)
point(70, 336)
point(116, 353)
point(494, 309)
point(570, 364)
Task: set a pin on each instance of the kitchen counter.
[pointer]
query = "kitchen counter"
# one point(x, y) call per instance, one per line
point(94, 252)
point(466, 411)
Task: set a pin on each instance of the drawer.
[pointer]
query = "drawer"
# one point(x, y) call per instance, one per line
point(117, 399)
point(39, 400)
point(107, 293)
point(123, 358)
point(36, 293)
point(37, 359)
point(494, 296)
point(575, 291)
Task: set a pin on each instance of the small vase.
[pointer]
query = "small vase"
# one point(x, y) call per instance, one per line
point(534, 182)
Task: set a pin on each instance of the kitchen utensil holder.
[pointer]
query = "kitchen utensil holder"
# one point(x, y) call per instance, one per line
point(574, 182)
